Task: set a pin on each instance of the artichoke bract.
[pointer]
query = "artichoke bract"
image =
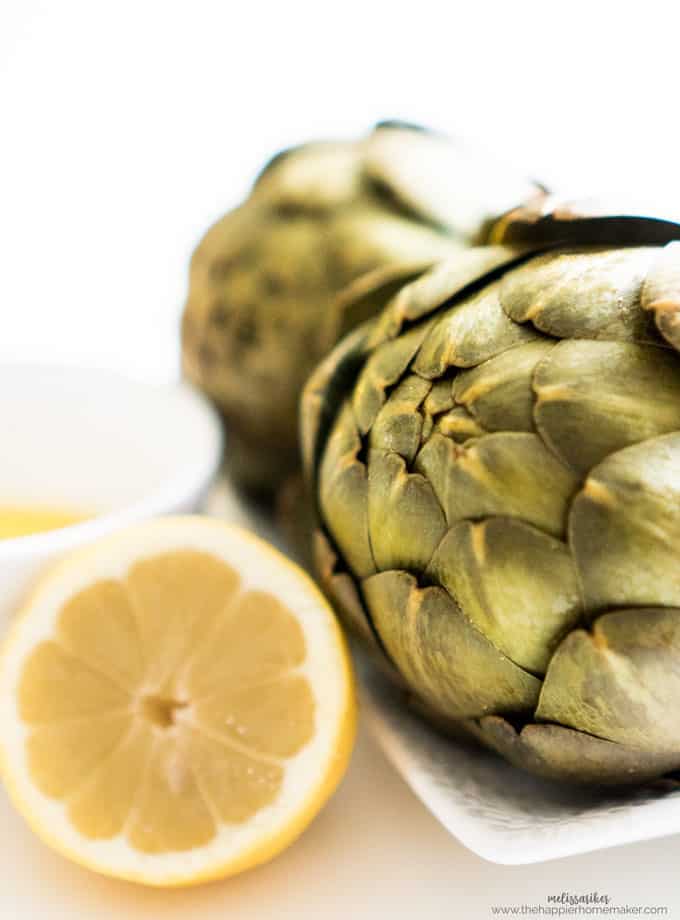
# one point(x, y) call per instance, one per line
point(496, 464)
point(262, 307)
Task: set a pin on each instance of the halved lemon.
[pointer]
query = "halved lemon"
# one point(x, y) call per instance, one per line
point(176, 703)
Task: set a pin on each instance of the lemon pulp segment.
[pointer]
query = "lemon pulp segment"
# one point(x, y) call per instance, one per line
point(166, 703)
point(22, 521)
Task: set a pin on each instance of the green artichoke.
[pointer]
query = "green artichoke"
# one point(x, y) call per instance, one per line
point(262, 308)
point(496, 464)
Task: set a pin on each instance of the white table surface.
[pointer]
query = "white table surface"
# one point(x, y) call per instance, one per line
point(127, 131)
point(373, 852)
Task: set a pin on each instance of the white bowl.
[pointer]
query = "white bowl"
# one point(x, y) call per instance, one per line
point(93, 441)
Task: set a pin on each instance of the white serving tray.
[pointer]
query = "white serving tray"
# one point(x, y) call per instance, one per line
point(496, 810)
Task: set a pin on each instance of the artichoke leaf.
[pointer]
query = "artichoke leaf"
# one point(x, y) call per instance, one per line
point(317, 177)
point(508, 474)
point(547, 221)
point(468, 333)
point(440, 414)
point(498, 393)
point(398, 425)
point(369, 294)
point(661, 293)
point(584, 293)
point(620, 682)
point(565, 754)
point(364, 238)
point(342, 591)
point(517, 585)
point(406, 522)
point(595, 398)
point(624, 528)
point(323, 394)
point(343, 493)
point(459, 425)
point(438, 401)
point(451, 665)
point(440, 284)
point(385, 366)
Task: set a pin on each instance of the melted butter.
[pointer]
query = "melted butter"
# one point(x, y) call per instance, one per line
point(21, 521)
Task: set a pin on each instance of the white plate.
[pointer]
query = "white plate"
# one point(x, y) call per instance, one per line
point(496, 810)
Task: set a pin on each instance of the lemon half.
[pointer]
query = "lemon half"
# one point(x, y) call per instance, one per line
point(176, 703)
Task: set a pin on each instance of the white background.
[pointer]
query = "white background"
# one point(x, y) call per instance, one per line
point(127, 127)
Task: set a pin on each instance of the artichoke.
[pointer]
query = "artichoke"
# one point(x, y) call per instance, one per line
point(262, 307)
point(495, 460)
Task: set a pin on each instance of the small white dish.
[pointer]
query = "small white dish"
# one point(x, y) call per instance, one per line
point(101, 444)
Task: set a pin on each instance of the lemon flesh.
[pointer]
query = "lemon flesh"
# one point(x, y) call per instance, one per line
point(164, 710)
